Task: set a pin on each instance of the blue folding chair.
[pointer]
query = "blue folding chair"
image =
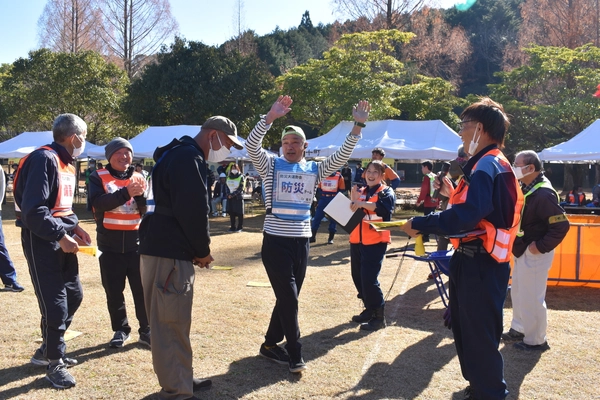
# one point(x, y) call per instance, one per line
point(439, 263)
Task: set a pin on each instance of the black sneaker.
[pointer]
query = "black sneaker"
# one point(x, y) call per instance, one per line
point(231, 230)
point(512, 336)
point(59, 377)
point(297, 365)
point(529, 347)
point(201, 384)
point(14, 287)
point(274, 353)
point(39, 359)
point(119, 339)
point(145, 338)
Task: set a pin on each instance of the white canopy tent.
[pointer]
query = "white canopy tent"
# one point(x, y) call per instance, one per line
point(146, 142)
point(23, 144)
point(583, 148)
point(401, 140)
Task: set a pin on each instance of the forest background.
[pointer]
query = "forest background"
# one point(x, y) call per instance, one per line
point(121, 66)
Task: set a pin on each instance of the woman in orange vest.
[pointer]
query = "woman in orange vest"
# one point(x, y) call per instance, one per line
point(368, 246)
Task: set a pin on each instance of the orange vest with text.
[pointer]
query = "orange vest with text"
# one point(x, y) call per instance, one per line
point(497, 242)
point(363, 233)
point(126, 217)
point(67, 184)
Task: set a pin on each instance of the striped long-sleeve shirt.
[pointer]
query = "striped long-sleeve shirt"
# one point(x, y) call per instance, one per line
point(263, 162)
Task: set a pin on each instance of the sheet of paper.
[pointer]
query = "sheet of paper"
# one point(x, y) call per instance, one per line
point(339, 210)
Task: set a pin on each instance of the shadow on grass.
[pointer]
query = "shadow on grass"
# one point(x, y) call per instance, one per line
point(24, 371)
point(240, 380)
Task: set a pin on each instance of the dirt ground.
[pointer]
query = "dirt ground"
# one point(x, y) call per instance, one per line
point(413, 358)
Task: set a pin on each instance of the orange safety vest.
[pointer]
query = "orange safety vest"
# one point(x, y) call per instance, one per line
point(330, 185)
point(363, 233)
point(498, 242)
point(571, 198)
point(126, 217)
point(67, 183)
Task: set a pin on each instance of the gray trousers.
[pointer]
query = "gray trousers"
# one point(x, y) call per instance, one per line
point(168, 293)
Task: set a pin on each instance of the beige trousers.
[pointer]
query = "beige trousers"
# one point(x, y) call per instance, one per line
point(168, 293)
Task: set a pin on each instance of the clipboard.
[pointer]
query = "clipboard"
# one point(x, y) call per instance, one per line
point(339, 210)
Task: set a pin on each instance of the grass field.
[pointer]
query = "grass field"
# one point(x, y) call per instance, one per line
point(413, 358)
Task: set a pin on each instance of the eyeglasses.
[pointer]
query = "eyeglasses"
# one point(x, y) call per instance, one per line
point(461, 123)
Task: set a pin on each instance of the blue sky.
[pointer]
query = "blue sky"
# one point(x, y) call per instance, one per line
point(210, 22)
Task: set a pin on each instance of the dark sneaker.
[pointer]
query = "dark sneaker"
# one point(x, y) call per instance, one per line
point(364, 316)
point(528, 347)
point(297, 365)
point(59, 377)
point(512, 336)
point(119, 339)
point(231, 230)
point(145, 338)
point(15, 287)
point(39, 359)
point(201, 384)
point(274, 353)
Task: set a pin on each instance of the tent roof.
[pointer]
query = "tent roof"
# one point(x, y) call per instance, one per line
point(582, 148)
point(23, 144)
point(401, 140)
point(146, 142)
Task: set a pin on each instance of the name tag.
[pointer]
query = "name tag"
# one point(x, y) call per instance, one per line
point(329, 185)
point(68, 189)
point(294, 187)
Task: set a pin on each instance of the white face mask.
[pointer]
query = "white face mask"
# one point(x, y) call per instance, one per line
point(474, 143)
point(78, 150)
point(235, 171)
point(519, 172)
point(218, 155)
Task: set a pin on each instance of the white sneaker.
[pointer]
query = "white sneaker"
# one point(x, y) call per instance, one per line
point(224, 215)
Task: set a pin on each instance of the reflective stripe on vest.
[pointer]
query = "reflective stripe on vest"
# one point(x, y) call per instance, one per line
point(497, 242)
point(363, 233)
point(126, 217)
point(293, 189)
point(67, 184)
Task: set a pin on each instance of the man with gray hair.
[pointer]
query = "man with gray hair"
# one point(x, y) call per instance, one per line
point(543, 226)
point(44, 186)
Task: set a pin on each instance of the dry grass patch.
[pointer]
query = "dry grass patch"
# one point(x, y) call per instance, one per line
point(414, 358)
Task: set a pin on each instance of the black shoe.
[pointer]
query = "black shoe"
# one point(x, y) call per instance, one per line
point(374, 324)
point(312, 239)
point(58, 376)
point(274, 353)
point(363, 317)
point(297, 365)
point(145, 338)
point(231, 230)
point(14, 287)
point(119, 339)
point(529, 347)
point(39, 359)
point(201, 384)
point(512, 336)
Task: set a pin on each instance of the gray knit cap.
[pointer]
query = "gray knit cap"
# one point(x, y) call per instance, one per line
point(114, 145)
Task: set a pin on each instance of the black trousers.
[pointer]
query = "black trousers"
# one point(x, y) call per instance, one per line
point(477, 290)
point(240, 217)
point(285, 260)
point(55, 278)
point(365, 266)
point(115, 268)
